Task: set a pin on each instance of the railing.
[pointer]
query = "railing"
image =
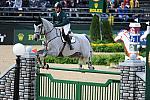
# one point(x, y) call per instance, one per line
point(49, 88)
point(76, 15)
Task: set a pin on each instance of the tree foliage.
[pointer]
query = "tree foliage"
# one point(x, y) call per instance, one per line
point(94, 31)
point(107, 31)
point(105, 34)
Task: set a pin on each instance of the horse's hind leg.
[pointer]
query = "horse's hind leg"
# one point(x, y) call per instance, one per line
point(80, 63)
point(90, 63)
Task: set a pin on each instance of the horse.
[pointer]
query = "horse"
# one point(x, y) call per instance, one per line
point(54, 44)
point(124, 36)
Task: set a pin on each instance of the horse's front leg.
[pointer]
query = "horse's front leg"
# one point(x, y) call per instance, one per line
point(45, 64)
point(43, 54)
point(39, 60)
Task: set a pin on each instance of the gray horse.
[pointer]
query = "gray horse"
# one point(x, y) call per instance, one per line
point(54, 44)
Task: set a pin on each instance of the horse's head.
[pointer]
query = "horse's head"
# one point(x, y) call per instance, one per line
point(121, 35)
point(38, 29)
point(42, 27)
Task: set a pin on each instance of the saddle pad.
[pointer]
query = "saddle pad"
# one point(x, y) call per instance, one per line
point(73, 39)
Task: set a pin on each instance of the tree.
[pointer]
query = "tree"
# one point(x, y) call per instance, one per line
point(94, 31)
point(107, 31)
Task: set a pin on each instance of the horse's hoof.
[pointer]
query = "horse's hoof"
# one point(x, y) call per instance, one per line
point(91, 68)
point(47, 66)
point(43, 67)
point(81, 68)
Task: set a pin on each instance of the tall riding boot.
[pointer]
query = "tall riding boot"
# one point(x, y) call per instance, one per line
point(69, 42)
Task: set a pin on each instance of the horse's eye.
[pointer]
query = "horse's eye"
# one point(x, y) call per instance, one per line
point(39, 26)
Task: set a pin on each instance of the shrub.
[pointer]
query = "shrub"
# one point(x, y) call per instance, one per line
point(109, 47)
point(102, 59)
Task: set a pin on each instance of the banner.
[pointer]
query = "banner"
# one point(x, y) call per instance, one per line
point(6, 35)
point(147, 96)
point(97, 6)
point(25, 37)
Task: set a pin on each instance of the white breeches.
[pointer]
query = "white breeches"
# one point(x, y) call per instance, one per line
point(66, 28)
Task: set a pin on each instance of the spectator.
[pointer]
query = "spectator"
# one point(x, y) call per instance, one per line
point(126, 2)
point(25, 3)
point(108, 4)
point(122, 10)
point(136, 5)
point(9, 3)
point(18, 4)
point(42, 4)
point(65, 3)
point(72, 3)
point(131, 4)
point(2, 3)
point(33, 3)
point(49, 3)
point(116, 3)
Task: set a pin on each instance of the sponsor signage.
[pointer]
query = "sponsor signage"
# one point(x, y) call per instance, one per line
point(147, 68)
point(97, 6)
point(6, 36)
point(26, 37)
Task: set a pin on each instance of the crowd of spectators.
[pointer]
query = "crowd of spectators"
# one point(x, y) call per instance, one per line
point(27, 3)
point(43, 3)
point(123, 8)
point(127, 3)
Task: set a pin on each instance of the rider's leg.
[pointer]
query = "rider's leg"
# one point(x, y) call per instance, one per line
point(67, 39)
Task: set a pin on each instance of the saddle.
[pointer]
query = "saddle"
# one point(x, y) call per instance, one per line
point(68, 36)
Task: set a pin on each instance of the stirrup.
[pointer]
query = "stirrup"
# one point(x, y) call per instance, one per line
point(71, 48)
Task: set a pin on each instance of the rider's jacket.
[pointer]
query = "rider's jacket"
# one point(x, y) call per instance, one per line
point(60, 20)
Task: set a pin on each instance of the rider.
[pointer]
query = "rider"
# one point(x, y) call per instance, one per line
point(61, 21)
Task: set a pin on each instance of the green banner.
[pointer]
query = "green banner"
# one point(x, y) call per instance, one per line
point(97, 6)
point(25, 37)
point(148, 68)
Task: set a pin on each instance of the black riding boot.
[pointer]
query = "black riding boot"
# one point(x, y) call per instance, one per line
point(67, 39)
point(69, 42)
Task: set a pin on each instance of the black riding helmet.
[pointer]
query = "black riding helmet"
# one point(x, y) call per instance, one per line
point(58, 5)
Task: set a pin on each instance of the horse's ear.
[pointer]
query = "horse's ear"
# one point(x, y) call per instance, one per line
point(39, 19)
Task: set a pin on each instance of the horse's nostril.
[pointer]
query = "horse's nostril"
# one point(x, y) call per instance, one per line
point(35, 39)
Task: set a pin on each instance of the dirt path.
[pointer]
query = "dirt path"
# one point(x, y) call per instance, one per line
point(78, 76)
point(7, 58)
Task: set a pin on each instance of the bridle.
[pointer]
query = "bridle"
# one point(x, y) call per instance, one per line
point(45, 33)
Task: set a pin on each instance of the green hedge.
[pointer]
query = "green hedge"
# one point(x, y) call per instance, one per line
point(102, 59)
point(111, 47)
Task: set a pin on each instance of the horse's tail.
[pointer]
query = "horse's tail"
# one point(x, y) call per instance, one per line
point(88, 38)
point(91, 50)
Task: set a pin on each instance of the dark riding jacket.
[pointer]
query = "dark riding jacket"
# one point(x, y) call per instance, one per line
point(60, 20)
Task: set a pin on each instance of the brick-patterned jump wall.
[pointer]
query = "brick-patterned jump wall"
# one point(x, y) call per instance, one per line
point(26, 82)
point(132, 87)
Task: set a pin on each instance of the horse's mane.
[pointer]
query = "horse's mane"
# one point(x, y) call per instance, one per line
point(47, 24)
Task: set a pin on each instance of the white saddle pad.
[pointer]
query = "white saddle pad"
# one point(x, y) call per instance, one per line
point(73, 40)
